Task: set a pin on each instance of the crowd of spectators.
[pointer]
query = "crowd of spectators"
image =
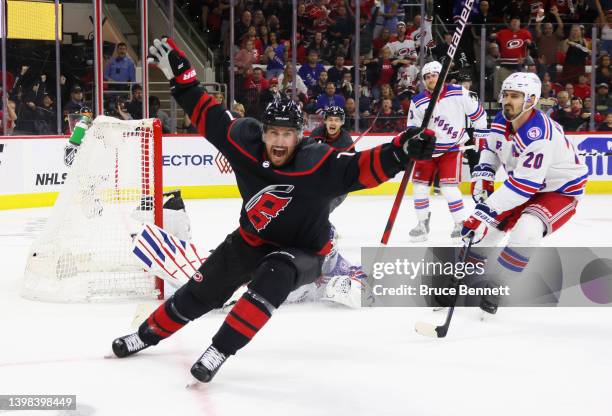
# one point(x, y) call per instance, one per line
point(32, 107)
point(552, 38)
point(549, 37)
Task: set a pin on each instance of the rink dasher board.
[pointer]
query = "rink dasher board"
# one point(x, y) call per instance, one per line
point(32, 168)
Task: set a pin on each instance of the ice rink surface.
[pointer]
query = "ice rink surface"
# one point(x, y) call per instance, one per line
point(315, 359)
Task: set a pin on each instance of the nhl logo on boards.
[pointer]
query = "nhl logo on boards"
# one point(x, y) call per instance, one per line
point(534, 133)
point(69, 154)
point(266, 164)
point(197, 276)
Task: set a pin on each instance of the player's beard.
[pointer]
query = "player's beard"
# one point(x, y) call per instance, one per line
point(431, 85)
point(509, 113)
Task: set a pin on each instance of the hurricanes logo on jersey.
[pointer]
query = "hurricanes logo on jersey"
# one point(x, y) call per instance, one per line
point(264, 206)
point(515, 44)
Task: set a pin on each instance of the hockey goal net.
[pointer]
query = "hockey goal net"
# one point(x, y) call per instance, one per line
point(85, 251)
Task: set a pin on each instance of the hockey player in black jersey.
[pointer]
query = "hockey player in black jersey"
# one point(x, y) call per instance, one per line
point(286, 186)
point(331, 131)
point(332, 134)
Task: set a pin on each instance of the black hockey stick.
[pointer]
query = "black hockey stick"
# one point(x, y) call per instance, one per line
point(440, 331)
point(352, 146)
point(450, 54)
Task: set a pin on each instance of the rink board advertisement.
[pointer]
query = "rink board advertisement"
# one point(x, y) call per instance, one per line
point(32, 169)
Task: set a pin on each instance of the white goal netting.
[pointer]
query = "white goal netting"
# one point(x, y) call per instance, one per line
point(84, 253)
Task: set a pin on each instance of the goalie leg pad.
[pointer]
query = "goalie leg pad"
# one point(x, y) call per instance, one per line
point(177, 223)
point(165, 255)
point(336, 265)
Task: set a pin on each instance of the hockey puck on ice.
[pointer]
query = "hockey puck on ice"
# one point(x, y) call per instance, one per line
point(596, 281)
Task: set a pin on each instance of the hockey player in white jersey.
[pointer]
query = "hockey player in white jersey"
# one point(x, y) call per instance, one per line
point(545, 180)
point(456, 104)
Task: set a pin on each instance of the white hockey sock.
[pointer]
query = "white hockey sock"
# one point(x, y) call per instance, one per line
point(421, 201)
point(528, 232)
point(512, 259)
point(452, 194)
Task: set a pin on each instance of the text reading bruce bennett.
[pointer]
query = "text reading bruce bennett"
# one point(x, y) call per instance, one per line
point(424, 290)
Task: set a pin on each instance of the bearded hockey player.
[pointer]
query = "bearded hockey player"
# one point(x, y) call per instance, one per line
point(545, 180)
point(287, 186)
point(449, 123)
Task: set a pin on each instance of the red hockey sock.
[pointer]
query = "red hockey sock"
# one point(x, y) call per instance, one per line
point(162, 323)
point(245, 319)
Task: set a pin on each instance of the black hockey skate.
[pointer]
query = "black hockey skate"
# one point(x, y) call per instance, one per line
point(490, 303)
point(488, 306)
point(128, 345)
point(209, 363)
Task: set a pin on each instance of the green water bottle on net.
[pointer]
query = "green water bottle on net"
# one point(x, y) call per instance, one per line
point(78, 133)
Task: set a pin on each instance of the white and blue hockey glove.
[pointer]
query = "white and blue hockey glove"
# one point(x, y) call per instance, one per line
point(476, 225)
point(483, 181)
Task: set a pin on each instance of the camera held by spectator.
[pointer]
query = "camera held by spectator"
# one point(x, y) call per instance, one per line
point(116, 107)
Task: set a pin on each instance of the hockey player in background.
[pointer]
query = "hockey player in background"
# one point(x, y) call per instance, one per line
point(287, 186)
point(340, 280)
point(331, 131)
point(545, 180)
point(449, 123)
point(334, 135)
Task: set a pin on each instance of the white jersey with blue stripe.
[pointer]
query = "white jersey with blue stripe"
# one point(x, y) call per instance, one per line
point(449, 117)
point(537, 158)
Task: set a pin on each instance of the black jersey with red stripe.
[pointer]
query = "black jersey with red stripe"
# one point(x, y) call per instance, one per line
point(343, 141)
point(286, 206)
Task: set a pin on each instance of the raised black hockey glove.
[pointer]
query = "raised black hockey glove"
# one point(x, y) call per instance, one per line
point(172, 61)
point(414, 143)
